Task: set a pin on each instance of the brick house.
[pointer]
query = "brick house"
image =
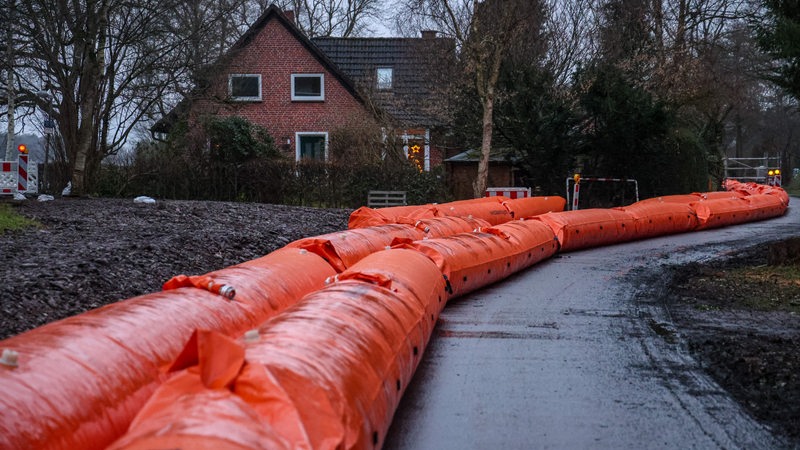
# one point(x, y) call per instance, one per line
point(301, 90)
point(401, 79)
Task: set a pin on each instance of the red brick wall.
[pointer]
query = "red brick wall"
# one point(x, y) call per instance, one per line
point(437, 156)
point(276, 54)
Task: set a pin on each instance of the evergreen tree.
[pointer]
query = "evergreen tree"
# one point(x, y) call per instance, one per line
point(779, 36)
point(539, 125)
point(629, 133)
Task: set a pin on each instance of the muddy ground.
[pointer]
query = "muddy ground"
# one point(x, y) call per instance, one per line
point(91, 252)
point(739, 317)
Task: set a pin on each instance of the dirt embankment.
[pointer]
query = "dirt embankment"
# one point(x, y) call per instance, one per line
point(740, 318)
point(91, 252)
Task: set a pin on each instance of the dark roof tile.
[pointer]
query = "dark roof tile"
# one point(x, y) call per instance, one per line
point(412, 100)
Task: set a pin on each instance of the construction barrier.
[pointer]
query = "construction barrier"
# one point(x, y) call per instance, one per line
point(80, 381)
point(18, 176)
point(508, 192)
point(287, 386)
point(8, 177)
point(576, 190)
point(22, 176)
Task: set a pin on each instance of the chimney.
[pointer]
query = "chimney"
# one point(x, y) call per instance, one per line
point(428, 34)
point(289, 15)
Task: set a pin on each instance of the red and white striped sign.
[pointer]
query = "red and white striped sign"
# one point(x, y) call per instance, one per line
point(576, 194)
point(18, 176)
point(509, 192)
point(7, 179)
point(22, 174)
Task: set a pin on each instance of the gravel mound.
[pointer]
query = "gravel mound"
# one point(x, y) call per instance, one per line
point(90, 252)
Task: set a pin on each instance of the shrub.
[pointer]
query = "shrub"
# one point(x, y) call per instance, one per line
point(231, 159)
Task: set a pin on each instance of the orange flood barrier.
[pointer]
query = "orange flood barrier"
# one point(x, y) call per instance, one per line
point(327, 373)
point(716, 195)
point(746, 189)
point(368, 217)
point(343, 249)
point(661, 218)
point(693, 197)
point(473, 260)
point(682, 198)
point(731, 211)
point(521, 208)
point(721, 212)
point(490, 209)
point(80, 381)
point(447, 226)
point(590, 227)
point(765, 206)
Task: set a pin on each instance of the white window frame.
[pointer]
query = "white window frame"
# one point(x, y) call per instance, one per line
point(244, 99)
point(306, 98)
point(378, 84)
point(299, 134)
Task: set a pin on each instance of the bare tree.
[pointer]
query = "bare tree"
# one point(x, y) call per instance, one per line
point(10, 13)
point(339, 18)
point(104, 65)
point(202, 31)
point(569, 31)
point(485, 32)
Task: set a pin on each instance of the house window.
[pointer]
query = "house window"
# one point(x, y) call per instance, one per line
point(312, 146)
point(245, 87)
point(384, 77)
point(308, 87)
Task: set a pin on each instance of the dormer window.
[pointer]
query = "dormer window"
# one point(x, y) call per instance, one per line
point(384, 76)
point(244, 87)
point(308, 87)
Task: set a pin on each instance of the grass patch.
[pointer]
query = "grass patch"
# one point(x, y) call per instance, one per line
point(11, 221)
point(753, 287)
point(767, 288)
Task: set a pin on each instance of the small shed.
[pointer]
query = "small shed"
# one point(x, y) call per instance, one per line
point(463, 168)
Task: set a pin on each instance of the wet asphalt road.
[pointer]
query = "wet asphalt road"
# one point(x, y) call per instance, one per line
point(576, 352)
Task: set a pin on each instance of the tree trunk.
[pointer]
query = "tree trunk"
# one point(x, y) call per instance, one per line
point(11, 125)
point(79, 170)
point(10, 90)
point(89, 109)
point(658, 31)
point(482, 180)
